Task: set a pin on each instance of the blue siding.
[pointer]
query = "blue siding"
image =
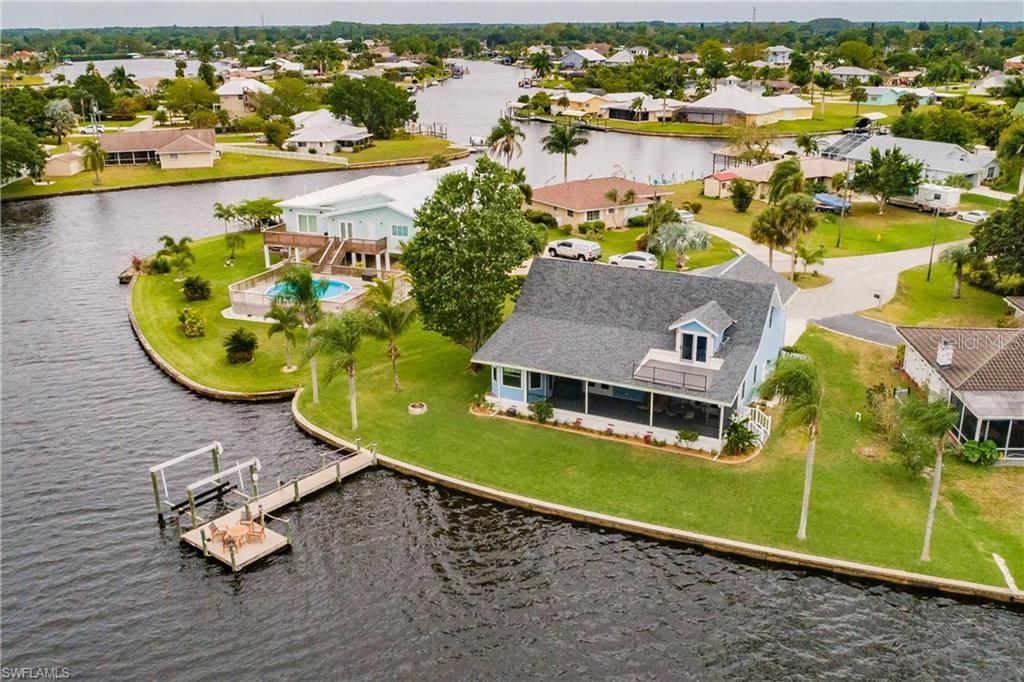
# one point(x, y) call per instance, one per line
point(772, 341)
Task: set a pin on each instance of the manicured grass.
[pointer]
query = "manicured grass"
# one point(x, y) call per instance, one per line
point(864, 230)
point(228, 166)
point(864, 506)
point(236, 137)
point(919, 302)
point(809, 280)
point(157, 299)
point(972, 201)
point(615, 242)
point(412, 147)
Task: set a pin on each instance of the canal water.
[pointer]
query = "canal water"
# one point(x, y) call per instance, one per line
point(389, 578)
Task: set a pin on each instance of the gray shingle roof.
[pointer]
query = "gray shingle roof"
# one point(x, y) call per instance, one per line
point(711, 316)
point(746, 268)
point(936, 156)
point(594, 322)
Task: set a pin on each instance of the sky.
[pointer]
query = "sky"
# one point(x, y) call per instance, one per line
point(83, 14)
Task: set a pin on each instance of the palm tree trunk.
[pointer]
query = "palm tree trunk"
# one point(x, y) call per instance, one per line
point(801, 533)
point(314, 380)
point(771, 253)
point(352, 397)
point(393, 354)
point(565, 167)
point(792, 269)
point(956, 282)
point(936, 484)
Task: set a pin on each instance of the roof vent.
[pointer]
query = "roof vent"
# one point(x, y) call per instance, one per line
point(944, 354)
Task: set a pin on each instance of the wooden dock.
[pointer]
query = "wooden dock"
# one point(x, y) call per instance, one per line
point(266, 503)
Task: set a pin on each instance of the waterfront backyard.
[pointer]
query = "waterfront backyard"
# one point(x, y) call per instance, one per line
point(864, 506)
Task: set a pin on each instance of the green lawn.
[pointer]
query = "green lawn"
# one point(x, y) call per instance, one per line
point(864, 507)
point(864, 230)
point(157, 299)
point(622, 241)
point(919, 302)
point(412, 147)
point(228, 166)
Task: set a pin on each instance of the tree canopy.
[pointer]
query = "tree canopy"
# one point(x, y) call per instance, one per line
point(887, 174)
point(372, 102)
point(22, 152)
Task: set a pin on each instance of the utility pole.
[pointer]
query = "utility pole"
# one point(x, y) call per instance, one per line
point(931, 253)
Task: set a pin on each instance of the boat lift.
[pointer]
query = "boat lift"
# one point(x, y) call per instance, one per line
point(196, 496)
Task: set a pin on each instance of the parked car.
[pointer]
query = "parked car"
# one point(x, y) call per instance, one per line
point(575, 249)
point(91, 129)
point(974, 216)
point(635, 259)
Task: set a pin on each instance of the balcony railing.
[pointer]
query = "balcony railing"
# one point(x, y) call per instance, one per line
point(670, 376)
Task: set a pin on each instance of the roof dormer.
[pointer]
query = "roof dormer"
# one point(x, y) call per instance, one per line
point(701, 332)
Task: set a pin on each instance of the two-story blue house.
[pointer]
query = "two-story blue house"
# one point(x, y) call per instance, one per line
point(640, 352)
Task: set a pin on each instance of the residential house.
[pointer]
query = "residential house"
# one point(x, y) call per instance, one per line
point(815, 169)
point(1016, 304)
point(907, 78)
point(621, 58)
point(731, 156)
point(992, 82)
point(579, 201)
point(578, 103)
point(282, 65)
point(731, 105)
point(980, 373)
point(401, 65)
point(940, 159)
point(636, 352)
point(791, 107)
point(1014, 63)
point(759, 64)
point(848, 74)
point(639, 51)
point(603, 49)
point(778, 56)
point(239, 96)
point(321, 132)
point(884, 95)
point(623, 106)
point(65, 164)
point(169, 149)
point(578, 59)
point(371, 216)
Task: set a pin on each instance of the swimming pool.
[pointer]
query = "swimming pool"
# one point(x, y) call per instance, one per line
point(334, 289)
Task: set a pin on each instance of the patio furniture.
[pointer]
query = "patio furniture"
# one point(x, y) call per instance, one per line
point(214, 532)
point(256, 532)
point(235, 535)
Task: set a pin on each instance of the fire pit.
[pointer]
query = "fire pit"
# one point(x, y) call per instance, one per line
point(417, 408)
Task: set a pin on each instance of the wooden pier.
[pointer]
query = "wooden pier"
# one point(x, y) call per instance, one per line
point(257, 506)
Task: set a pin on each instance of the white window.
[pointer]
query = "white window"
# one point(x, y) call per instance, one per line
point(399, 230)
point(511, 378)
point(694, 347)
point(307, 223)
point(536, 381)
point(593, 215)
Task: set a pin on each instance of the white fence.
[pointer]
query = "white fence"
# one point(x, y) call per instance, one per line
point(278, 154)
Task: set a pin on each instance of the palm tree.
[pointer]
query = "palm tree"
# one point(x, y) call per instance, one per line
point(389, 318)
point(907, 102)
point(807, 143)
point(287, 321)
point(796, 382)
point(504, 140)
point(627, 198)
point(563, 139)
point(766, 230)
point(680, 238)
point(809, 256)
point(518, 176)
point(958, 257)
point(797, 220)
point(299, 288)
point(858, 95)
point(121, 81)
point(636, 106)
point(225, 212)
point(541, 64)
point(337, 338)
point(787, 178)
point(563, 102)
point(826, 82)
point(235, 242)
point(180, 252)
point(93, 158)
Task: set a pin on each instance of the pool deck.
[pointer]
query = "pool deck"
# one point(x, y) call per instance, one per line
point(252, 302)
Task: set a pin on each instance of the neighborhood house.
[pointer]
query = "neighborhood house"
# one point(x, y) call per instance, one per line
point(321, 132)
point(814, 169)
point(239, 96)
point(639, 352)
point(613, 200)
point(166, 148)
point(940, 159)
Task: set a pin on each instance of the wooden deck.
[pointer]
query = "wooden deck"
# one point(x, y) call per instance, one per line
point(268, 502)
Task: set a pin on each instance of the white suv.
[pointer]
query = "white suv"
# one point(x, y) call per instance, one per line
point(574, 249)
point(635, 259)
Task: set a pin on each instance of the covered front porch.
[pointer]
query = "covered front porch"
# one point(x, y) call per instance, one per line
point(614, 409)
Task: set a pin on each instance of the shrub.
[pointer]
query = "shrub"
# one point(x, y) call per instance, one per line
point(742, 195)
point(901, 353)
point(880, 406)
point(982, 453)
point(911, 449)
point(636, 221)
point(240, 346)
point(191, 323)
point(541, 218)
point(542, 411)
point(739, 438)
point(641, 241)
point(591, 227)
point(159, 266)
point(196, 288)
point(437, 161)
point(686, 437)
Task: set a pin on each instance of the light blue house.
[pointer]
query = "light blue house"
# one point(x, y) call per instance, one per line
point(886, 95)
point(641, 352)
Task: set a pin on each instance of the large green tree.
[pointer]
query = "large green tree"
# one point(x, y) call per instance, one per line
point(375, 103)
point(887, 174)
point(290, 96)
point(1000, 238)
point(21, 151)
point(60, 117)
point(471, 235)
point(188, 94)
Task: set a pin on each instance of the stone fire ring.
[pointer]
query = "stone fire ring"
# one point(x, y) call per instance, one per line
point(417, 408)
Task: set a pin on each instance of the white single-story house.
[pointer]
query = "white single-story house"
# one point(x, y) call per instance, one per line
point(980, 372)
point(732, 105)
point(581, 201)
point(321, 132)
point(791, 107)
point(940, 159)
point(846, 74)
point(815, 169)
point(645, 353)
point(238, 96)
point(343, 224)
point(650, 109)
point(993, 81)
point(185, 148)
point(578, 59)
point(621, 57)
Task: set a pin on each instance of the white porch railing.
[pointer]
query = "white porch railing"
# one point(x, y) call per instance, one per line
point(279, 154)
point(757, 420)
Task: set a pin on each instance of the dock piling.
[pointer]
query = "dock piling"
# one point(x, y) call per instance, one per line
point(156, 497)
point(288, 530)
point(202, 536)
point(337, 471)
point(295, 485)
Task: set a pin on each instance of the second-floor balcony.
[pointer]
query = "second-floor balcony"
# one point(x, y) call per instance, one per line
point(663, 367)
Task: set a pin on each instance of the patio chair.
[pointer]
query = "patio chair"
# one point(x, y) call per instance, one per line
point(256, 532)
point(213, 532)
point(230, 544)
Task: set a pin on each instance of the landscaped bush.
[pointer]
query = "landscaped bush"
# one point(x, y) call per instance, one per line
point(191, 323)
point(637, 221)
point(687, 437)
point(437, 161)
point(196, 288)
point(591, 227)
point(982, 453)
point(240, 346)
point(911, 449)
point(541, 218)
point(159, 266)
point(739, 438)
point(742, 195)
point(542, 411)
point(880, 406)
